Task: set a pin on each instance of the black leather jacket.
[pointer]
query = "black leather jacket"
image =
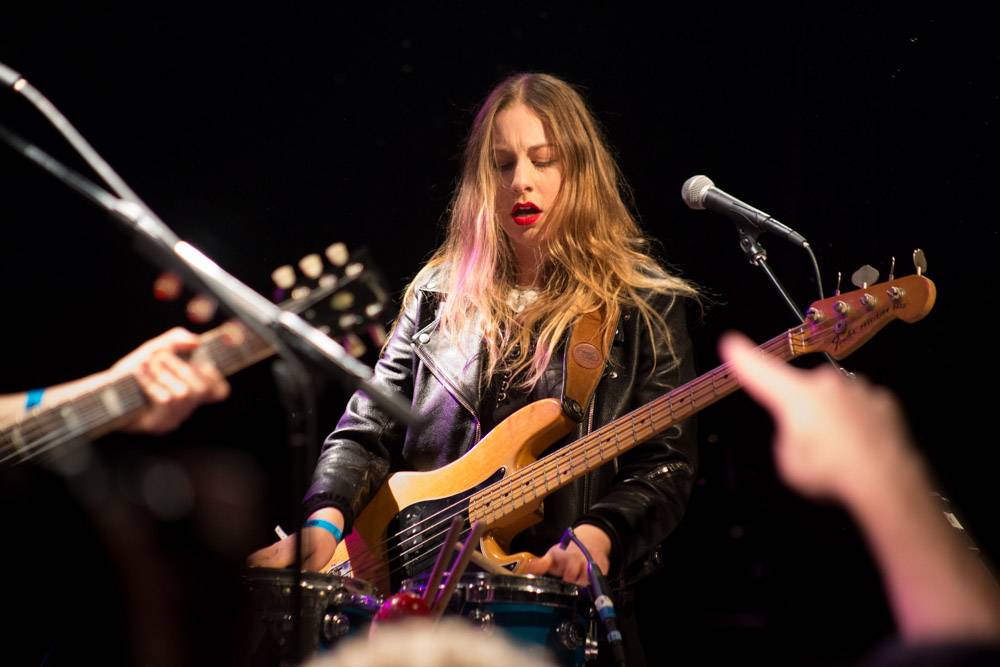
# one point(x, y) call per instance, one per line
point(637, 499)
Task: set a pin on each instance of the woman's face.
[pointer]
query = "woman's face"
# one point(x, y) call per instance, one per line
point(529, 172)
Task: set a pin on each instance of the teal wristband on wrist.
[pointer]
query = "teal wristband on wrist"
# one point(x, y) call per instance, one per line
point(326, 525)
point(34, 398)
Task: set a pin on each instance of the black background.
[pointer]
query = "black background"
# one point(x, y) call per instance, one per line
point(262, 135)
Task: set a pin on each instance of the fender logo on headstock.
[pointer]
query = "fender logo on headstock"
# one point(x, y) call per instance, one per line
point(845, 336)
point(842, 323)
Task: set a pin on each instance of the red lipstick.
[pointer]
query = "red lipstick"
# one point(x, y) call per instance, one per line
point(525, 213)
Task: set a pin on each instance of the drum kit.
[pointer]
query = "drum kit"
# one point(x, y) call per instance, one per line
point(531, 610)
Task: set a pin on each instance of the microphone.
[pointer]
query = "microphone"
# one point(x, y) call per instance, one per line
point(699, 192)
point(602, 601)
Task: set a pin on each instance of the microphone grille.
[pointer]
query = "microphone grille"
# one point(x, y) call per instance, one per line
point(693, 191)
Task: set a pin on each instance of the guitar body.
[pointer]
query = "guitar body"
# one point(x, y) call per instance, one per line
point(376, 552)
point(400, 532)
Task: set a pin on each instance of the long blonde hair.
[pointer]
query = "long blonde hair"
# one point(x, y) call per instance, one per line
point(595, 253)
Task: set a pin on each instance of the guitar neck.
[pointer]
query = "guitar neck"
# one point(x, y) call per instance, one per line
point(99, 411)
point(576, 459)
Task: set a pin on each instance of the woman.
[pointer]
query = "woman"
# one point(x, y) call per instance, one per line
point(539, 234)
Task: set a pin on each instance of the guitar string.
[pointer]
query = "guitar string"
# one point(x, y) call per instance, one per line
point(568, 453)
point(628, 424)
point(226, 356)
point(88, 411)
point(602, 438)
point(581, 446)
point(83, 422)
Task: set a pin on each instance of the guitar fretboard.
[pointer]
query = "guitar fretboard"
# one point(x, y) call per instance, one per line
point(575, 460)
point(98, 411)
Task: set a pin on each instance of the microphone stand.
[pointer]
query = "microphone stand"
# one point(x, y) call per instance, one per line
point(293, 339)
point(599, 591)
point(757, 256)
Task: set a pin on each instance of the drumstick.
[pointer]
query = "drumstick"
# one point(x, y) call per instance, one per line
point(456, 572)
point(443, 557)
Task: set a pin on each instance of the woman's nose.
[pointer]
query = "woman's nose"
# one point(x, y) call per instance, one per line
point(521, 179)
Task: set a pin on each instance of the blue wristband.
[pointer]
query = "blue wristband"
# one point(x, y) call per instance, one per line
point(34, 398)
point(326, 525)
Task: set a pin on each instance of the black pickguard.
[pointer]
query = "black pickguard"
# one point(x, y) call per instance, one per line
point(416, 534)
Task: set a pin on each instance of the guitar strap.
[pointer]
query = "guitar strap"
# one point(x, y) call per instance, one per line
point(584, 358)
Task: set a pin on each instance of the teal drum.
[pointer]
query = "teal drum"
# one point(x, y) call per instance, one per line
point(538, 611)
point(331, 607)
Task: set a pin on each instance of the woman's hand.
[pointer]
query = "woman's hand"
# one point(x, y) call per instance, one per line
point(318, 546)
point(569, 564)
point(175, 387)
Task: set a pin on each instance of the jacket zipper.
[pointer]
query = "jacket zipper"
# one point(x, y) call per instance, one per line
point(451, 388)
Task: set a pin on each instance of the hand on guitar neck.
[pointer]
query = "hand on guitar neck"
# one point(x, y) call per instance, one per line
point(174, 387)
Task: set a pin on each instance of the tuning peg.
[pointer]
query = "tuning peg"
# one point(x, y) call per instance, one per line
point(354, 269)
point(284, 276)
point(311, 265)
point(892, 270)
point(348, 321)
point(337, 254)
point(201, 309)
point(836, 292)
point(342, 300)
point(167, 286)
point(920, 261)
point(354, 345)
point(865, 276)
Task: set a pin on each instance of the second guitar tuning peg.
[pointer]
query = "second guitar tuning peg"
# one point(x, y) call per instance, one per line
point(920, 261)
point(865, 276)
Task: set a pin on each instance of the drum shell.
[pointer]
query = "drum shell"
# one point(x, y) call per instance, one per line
point(332, 607)
point(532, 610)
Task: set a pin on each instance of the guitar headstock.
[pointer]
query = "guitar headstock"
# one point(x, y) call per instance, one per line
point(841, 324)
point(339, 293)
